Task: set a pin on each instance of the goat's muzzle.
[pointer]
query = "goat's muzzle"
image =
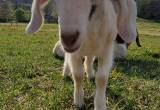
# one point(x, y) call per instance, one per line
point(70, 41)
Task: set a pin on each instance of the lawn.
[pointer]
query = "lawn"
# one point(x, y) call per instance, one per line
point(30, 76)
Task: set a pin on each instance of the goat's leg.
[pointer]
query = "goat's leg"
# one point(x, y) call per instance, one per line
point(88, 65)
point(104, 66)
point(66, 69)
point(76, 67)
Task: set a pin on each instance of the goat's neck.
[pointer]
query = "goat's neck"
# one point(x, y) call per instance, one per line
point(104, 16)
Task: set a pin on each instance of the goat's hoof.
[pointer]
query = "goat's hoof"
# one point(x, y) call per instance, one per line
point(82, 107)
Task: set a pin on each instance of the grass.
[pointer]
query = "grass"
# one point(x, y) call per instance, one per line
point(30, 76)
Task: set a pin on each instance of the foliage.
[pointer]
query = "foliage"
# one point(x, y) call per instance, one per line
point(20, 15)
point(50, 13)
point(146, 9)
point(149, 9)
point(5, 11)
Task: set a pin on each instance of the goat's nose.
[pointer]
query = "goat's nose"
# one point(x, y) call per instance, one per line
point(69, 39)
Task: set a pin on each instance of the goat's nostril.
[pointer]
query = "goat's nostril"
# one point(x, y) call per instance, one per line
point(70, 39)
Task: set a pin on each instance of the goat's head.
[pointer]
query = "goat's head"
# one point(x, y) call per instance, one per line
point(74, 16)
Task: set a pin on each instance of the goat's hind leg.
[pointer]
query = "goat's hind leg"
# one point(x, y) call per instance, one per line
point(76, 68)
point(66, 68)
point(88, 66)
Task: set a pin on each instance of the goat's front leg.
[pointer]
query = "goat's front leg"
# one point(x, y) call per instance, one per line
point(88, 65)
point(104, 66)
point(76, 68)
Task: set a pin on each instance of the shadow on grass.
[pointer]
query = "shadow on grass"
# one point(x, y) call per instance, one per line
point(140, 67)
point(147, 69)
point(68, 79)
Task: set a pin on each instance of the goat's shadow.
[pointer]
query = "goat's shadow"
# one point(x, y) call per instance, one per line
point(142, 68)
point(146, 69)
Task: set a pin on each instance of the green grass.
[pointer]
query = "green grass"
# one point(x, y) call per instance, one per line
point(30, 76)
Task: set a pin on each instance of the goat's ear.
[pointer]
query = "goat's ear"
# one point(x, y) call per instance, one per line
point(37, 16)
point(127, 20)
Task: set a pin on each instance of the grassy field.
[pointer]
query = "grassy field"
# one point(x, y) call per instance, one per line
point(30, 76)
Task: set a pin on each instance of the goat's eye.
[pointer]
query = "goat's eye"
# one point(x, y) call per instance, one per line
point(93, 9)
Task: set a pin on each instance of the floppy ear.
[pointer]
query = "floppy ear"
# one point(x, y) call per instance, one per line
point(127, 15)
point(37, 16)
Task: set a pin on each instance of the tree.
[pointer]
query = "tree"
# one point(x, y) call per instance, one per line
point(5, 10)
point(152, 10)
point(149, 9)
point(50, 12)
point(20, 15)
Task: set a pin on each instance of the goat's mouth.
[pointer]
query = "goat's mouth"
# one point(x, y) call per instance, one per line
point(71, 50)
point(71, 47)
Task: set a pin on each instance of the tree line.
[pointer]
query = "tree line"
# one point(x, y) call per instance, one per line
point(148, 9)
point(20, 11)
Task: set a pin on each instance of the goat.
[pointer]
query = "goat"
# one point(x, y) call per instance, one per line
point(89, 28)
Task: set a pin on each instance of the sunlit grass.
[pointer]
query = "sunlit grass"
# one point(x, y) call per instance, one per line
point(30, 76)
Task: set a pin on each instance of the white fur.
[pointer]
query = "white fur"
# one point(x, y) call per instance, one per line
point(58, 50)
point(127, 13)
point(96, 38)
point(37, 16)
point(120, 50)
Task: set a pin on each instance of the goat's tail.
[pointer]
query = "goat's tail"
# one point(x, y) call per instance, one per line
point(137, 40)
point(37, 18)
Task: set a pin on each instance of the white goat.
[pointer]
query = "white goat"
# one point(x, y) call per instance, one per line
point(88, 28)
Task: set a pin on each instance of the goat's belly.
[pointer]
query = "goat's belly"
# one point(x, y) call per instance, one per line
point(92, 48)
point(89, 52)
